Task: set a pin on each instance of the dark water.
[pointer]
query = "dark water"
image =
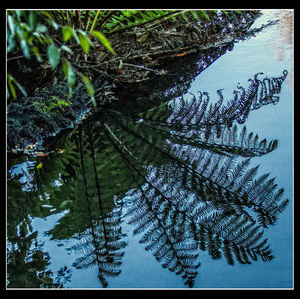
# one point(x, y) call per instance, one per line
point(169, 197)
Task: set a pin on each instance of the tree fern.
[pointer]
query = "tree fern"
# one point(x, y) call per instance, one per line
point(117, 21)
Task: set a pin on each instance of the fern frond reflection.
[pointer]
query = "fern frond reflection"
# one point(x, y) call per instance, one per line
point(187, 164)
point(100, 243)
point(196, 193)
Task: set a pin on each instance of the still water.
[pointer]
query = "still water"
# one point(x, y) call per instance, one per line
point(169, 197)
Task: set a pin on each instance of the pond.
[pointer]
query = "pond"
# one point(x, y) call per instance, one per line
point(191, 189)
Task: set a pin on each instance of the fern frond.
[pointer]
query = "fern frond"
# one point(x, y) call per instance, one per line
point(227, 251)
point(122, 20)
point(237, 172)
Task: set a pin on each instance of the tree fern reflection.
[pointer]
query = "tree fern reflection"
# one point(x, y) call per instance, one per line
point(198, 193)
point(185, 164)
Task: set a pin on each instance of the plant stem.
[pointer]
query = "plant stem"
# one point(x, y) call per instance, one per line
point(94, 22)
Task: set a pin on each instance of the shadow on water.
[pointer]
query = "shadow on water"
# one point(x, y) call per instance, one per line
point(184, 163)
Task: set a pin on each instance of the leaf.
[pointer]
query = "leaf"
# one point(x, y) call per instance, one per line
point(39, 154)
point(67, 49)
point(21, 88)
point(69, 74)
point(74, 34)
point(41, 28)
point(11, 87)
point(11, 80)
point(37, 54)
point(85, 42)
point(89, 87)
point(54, 25)
point(120, 64)
point(65, 66)
point(65, 203)
point(202, 12)
point(25, 48)
point(142, 37)
point(53, 55)
point(32, 19)
point(103, 40)
point(11, 24)
point(126, 13)
point(10, 42)
point(67, 33)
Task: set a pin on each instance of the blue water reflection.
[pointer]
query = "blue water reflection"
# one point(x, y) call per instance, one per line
point(270, 52)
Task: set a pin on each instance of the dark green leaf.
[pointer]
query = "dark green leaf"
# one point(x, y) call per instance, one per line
point(71, 76)
point(205, 14)
point(54, 25)
point(10, 42)
point(11, 82)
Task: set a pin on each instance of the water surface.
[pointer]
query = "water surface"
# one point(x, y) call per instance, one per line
point(118, 202)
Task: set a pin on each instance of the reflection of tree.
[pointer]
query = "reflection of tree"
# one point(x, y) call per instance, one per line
point(27, 263)
point(100, 243)
point(22, 272)
point(188, 204)
point(182, 161)
point(196, 193)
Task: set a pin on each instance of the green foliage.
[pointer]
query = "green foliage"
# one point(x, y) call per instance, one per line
point(54, 103)
point(11, 88)
point(89, 88)
point(27, 30)
point(119, 20)
point(69, 74)
point(43, 33)
point(84, 41)
point(53, 55)
point(103, 40)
